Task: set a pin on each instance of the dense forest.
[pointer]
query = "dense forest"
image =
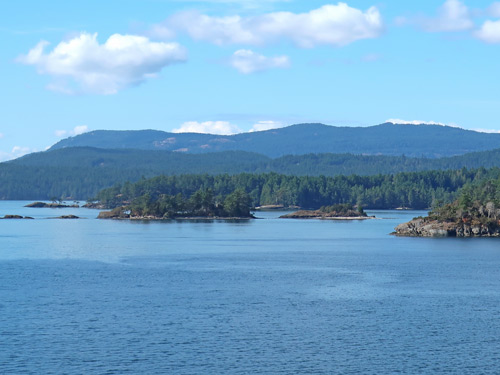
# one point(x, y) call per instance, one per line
point(418, 190)
point(80, 173)
point(479, 200)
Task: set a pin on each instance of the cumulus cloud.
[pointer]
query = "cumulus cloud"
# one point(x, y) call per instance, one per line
point(247, 61)
point(208, 127)
point(266, 125)
point(453, 15)
point(335, 25)
point(77, 130)
point(489, 32)
point(122, 61)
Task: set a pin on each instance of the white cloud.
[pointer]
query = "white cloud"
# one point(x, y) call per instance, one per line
point(453, 15)
point(266, 125)
point(122, 61)
point(61, 133)
point(208, 127)
point(16, 152)
point(77, 130)
point(397, 121)
point(335, 25)
point(247, 61)
point(489, 32)
point(487, 131)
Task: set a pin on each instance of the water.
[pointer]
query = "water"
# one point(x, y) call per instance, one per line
point(266, 296)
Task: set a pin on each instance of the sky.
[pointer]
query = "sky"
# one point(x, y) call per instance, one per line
point(231, 66)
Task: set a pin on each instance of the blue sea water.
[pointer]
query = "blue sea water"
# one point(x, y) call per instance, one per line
point(265, 296)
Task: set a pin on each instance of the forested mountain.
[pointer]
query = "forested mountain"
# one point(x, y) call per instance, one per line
point(151, 162)
point(81, 172)
point(385, 139)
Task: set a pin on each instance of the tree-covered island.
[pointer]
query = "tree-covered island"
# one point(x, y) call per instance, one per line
point(476, 213)
point(202, 204)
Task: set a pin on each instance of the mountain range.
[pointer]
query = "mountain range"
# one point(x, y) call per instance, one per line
point(431, 141)
point(80, 166)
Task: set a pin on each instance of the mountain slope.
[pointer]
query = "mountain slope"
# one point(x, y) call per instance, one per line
point(82, 172)
point(385, 139)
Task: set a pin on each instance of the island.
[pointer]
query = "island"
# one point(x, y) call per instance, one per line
point(16, 217)
point(334, 212)
point(202, 204)
point(475, 214)
point(51, 205)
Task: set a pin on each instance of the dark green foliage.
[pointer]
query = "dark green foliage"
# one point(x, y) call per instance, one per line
point(237, 204)
point(81, 172)
point(202, 203)
point(477, 203)
point(418, 190)
point(342, 209)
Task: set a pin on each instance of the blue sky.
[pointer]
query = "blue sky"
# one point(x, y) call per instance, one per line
point(227, 66)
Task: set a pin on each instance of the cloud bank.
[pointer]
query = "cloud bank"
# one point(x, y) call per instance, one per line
point(208, 127)
point(398, 121)
point(266, 125)
point(334, 25)
point(122, 61)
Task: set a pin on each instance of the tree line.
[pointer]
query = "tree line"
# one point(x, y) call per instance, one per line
point(416, 190)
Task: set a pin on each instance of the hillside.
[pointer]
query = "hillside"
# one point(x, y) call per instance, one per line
point(385, 139)
point(82, 172)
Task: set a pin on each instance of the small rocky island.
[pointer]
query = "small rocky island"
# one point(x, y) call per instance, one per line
point(335, 212)
point(462, 218)
point(16, 217)
point(51, 205)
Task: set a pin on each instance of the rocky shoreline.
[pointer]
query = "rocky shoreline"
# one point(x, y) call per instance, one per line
point(425, 227)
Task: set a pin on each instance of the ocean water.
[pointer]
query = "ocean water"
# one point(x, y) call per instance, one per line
point(264, 296)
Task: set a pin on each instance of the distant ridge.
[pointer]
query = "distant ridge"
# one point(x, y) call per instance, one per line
point(430, 141)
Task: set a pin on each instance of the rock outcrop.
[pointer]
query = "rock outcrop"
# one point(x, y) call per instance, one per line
point(425, 227)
